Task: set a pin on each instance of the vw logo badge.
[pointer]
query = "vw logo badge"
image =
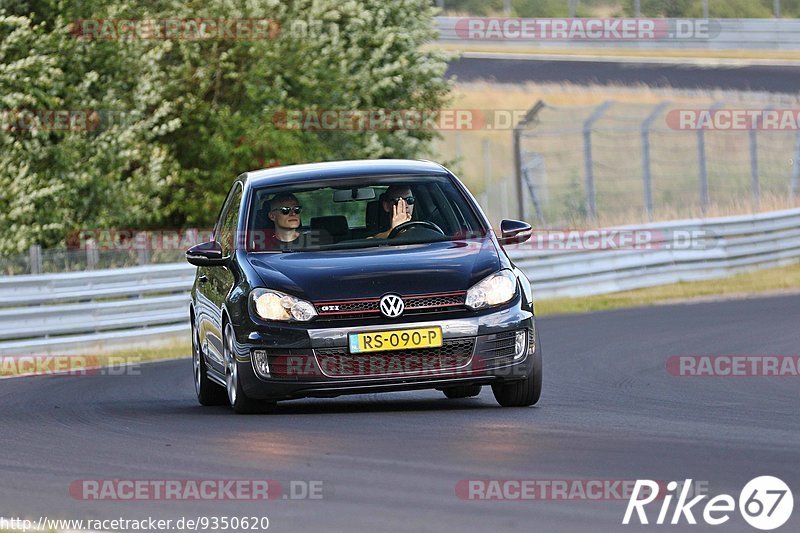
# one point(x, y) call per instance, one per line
point(392, 305)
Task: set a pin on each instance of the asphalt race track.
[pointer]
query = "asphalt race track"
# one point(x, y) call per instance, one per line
point(610, 411)
point(776, 79)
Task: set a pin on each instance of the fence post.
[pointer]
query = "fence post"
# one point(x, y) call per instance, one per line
point(755, 185)
point(517, 138)
point(591, 199)
point(776, 8)
point(701, 161)
point(142, 244)
point(637, 8)
point(701, 158)
point(91, 254)
point(534, 198)
point(35, 256)
point(646, 173)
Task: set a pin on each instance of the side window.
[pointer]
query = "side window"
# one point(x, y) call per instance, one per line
point(227, 224)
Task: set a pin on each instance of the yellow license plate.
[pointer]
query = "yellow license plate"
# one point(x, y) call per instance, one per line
point(399, 339)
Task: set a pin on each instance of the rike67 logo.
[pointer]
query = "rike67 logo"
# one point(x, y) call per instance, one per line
point(765, 503)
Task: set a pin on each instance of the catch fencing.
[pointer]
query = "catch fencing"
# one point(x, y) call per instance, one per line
point(620, 162)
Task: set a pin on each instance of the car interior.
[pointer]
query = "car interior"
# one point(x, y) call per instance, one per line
point(363, 218)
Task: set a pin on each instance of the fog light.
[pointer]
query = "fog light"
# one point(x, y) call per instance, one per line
point(520, 344)
point(260, 363)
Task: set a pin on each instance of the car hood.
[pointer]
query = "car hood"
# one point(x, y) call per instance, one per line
point(429, 268)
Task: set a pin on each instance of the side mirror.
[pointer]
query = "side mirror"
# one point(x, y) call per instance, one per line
point(514, 232)
point(205, 254)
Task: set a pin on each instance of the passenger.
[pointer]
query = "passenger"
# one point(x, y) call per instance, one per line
point(284, 212)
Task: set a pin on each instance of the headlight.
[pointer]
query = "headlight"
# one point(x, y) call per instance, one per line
point(274, 305)
point(499, 288)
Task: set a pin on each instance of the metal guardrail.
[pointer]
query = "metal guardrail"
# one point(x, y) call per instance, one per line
point(56, 313)
point(724, 246)
point(728, 34)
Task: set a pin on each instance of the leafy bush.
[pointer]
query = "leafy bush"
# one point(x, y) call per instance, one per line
point(192, 115)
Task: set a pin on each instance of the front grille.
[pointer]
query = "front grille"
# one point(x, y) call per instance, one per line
point(454, 354)
point(421, 303)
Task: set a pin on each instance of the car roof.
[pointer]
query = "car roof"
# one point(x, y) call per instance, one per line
point(341, 169)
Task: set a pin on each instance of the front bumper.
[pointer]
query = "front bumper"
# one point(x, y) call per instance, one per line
point(316, 362)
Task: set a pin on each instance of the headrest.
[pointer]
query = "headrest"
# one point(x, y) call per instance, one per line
point(336, 225)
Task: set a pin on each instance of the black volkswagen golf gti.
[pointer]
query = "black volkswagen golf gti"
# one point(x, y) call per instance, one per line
point(358, 277)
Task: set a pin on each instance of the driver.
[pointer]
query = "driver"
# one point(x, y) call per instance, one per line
point(399, 203)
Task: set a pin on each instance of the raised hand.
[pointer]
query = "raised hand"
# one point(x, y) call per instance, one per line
point(399, 214)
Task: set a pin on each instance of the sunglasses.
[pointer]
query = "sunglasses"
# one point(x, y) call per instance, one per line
point(409, 200)
point(285, 210)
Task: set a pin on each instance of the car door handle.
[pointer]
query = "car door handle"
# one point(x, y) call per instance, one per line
point(202, 279)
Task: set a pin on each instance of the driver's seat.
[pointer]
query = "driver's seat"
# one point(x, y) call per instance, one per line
point(377, 220)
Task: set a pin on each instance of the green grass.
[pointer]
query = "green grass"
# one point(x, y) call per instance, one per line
point(775, 280)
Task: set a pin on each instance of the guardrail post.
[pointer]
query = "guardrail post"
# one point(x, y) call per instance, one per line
point(591, 197)
point(35, 256)
point(646, 170)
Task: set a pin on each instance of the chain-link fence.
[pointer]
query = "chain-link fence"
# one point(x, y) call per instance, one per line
point(628, 163)
point(44, 261)
point(620, 163)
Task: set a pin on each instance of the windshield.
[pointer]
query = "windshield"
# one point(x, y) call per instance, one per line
point(360, 213)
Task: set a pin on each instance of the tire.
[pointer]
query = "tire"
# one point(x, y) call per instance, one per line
point(524, 392)
point(237, 398)
point(462, 391)
point(208, 392)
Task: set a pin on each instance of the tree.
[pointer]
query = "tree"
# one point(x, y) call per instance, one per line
point(175, 121)
point(77, 134)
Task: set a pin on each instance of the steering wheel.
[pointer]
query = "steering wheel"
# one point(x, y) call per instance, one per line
point(405, 226)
